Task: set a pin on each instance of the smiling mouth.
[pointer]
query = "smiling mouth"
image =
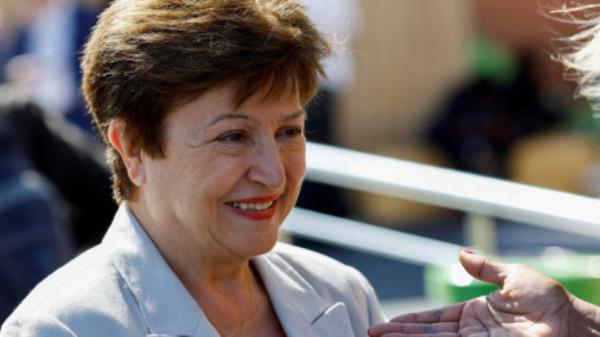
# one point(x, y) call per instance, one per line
point(254, 209)
point(247, 206)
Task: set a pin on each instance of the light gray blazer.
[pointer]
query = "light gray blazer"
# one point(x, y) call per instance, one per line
point(123, 287)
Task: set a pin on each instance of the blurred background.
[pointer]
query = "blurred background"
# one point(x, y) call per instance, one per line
point(469, 85)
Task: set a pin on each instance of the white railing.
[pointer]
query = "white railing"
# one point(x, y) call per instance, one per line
point(478, 195)
point(370, 239)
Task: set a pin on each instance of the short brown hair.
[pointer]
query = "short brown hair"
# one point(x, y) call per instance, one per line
point(145, 56)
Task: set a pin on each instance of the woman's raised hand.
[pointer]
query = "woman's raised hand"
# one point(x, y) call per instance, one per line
point(528, 304)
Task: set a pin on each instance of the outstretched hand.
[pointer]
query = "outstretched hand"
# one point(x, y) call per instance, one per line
point(528, 304)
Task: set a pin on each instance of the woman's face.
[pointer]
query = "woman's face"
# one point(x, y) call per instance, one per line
point(230, 175)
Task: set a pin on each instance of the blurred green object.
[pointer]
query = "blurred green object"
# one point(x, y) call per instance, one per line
point(580, 274)
point(493, 62)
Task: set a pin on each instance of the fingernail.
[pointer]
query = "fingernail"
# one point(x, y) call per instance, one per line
point(468, 251)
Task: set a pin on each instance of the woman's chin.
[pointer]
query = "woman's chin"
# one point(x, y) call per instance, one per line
point(257, 245)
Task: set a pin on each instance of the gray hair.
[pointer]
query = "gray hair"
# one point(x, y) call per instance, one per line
point(583, 57)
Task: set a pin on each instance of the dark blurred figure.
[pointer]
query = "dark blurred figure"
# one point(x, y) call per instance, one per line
point(47, 51)
point(483, 119)
point(34, 231)
point(55, 196)
point(69, 160)
point(316, 196)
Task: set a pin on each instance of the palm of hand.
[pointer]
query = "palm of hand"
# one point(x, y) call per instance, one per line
point(528, 305)
point(480, 318)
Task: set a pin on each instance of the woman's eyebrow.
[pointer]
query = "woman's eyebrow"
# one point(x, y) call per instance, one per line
point(229, 115)
point(294, 115)
point(237, 115)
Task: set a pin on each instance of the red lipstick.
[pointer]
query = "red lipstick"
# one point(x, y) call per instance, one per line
point(251, 212)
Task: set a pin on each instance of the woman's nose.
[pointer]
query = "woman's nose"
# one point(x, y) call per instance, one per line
point(267, 166)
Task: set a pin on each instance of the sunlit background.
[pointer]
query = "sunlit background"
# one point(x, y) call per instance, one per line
point(471, 85)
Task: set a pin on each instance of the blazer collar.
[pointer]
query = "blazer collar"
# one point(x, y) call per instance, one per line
point(167, 307)
point(302, 311)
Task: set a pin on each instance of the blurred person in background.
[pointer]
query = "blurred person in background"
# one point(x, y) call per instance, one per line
point(48, 169)
point(55, 193)
point(483, 119)
point(44, 40)
point(515, 91)
point(67, 158)
point(200, 104)
point(45, 58)
point(35, 236)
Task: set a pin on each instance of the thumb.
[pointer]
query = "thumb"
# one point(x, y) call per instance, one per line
point(482, 268)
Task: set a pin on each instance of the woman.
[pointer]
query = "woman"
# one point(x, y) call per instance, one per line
point(200, 104)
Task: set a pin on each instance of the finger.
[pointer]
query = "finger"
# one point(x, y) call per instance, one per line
point(414, 328)
point(450, 313)
point(483, 268)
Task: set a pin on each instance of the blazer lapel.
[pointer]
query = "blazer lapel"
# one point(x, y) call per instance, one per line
point(333, 322)
point(167, 307)
point(299, 307)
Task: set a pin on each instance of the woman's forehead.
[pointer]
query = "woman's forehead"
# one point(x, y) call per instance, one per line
point(218, 104)
point(235, 94)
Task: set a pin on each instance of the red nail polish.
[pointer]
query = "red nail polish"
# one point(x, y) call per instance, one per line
point(468, 251)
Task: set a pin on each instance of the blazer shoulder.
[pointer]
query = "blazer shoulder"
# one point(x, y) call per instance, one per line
point(68, 284)
point(36, 325)
point(85, 297)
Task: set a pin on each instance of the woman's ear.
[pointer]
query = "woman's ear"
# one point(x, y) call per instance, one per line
point(129, 150)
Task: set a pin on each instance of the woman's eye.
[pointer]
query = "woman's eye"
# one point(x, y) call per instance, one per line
point(233, 137)
point(291, 132)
